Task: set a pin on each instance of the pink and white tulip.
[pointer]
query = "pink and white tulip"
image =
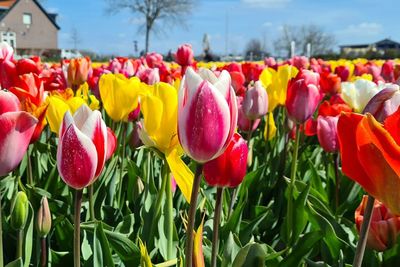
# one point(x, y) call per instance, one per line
point(16, 129)
point(207, 114)
point(327, 133)
point(255, 102)
point(82, 147)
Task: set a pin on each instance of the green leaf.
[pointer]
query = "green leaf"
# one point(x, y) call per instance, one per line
point(16, 263)
point(28, 240)
point(300, 217)
point(251, 255)
point(301, 249)
point(101, 248)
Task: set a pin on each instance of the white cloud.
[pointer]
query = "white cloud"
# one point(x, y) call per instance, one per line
point(361, 31)
point(266, 3)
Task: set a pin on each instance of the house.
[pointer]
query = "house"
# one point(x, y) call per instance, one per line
point(380, 47)
point(28, 28)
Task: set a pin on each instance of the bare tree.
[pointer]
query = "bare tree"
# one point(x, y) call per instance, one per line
point(321, 42)
point(153, 10)
point(75, 38)
point(254, 48)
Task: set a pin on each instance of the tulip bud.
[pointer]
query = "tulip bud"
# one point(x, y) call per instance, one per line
point(388, 71)
point(184, 55)
point(384, 103)
point(43, 218)
point(154, 60)
point(229, 168)
point(19, 211)
point(255, 103)
point(330, 83)
point(134, 137)
point(327, 133)
point(343, 72)
point(384, 228)
point(207, 114)
point(302, 96)
point(78, 71)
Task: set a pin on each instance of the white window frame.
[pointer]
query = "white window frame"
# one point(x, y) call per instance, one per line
point(10, 38)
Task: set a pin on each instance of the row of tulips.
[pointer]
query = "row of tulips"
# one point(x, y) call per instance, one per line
point(131, 140)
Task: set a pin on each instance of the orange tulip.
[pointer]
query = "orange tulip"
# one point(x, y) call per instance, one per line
point(371, 155)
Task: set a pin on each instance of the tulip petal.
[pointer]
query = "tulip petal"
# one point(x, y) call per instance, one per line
point(351, 165)
point(198, 256)
point(16, 129)
point(392, 125)
point(208, 75)
point(81, 116)
point(181, 172)
point(8, 102)
point(76, 158)
point(224, 84)
point(55, 113)
point(67, 121)
point(190, 82)
point(95, 128)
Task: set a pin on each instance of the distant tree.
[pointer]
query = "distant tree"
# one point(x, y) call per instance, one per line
point(152, 11)
point(321, 42)
point(255, 48)
point(75, 38)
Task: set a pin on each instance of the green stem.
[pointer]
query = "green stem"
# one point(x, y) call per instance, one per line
point(169, 213)
point(233, 200)
point(292, 185)
point(217, 218)
point(43, 254)
point(1, 235)
point(77, 228)
point(30, 173)
point(337, 180)
point(267, 137)
point(192, 216)
point(91, 203)
point(20, 243)
point(358, 258)
point(122, 165)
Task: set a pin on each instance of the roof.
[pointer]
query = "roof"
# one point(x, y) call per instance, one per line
point(355, 46)
point(7, 5)
point(381, 42)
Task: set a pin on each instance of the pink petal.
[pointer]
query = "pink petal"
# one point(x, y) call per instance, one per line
point(16, 129)
point(8, 102)
point(76, 158)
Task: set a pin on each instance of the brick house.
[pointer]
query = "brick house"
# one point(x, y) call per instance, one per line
point(28, 28)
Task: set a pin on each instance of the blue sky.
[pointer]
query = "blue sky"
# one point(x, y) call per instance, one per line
point(351, 22)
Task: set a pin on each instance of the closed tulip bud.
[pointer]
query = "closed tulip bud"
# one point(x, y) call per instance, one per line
point(229, 168)
point(78, 71)
point(207, 114)
point(302, 96)
point(82, 148)
point(244, 124)
point(343, 72)
point(255, 102)
point(154, 60)
point(184, 55)
point(384, 228)
point(149, 76)
point(43, 218)
point(134, 137)
point(384, 103)
point(19, 211)
point(388, 71)
point(327, 133)
point(330, 83)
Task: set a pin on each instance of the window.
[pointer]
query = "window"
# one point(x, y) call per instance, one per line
point(10, 38)
point(27, 18)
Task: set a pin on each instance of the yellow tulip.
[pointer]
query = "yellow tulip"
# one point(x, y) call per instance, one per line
point(119, 95)
point(55, 112)
point(160, 118)
point(276, 83)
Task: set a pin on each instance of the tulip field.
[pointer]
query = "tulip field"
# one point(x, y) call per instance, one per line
point(143, 162)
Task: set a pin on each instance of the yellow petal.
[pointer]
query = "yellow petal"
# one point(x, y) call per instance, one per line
point(198, 247)
point(55, 112)
point(74, 103)
point(94, 103)
point(145, 260)
point(270, 127)
point(182, 174)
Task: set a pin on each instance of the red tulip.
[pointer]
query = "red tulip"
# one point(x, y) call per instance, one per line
point(111, 143)
point(384, 228)
point(26, 65)
point(327, 133)
point(302, 96)
point(154, 60)
point(371, 155)
point(207, 114)
point(229, 168)
point(16, 129)
point(82, 147)
point(330, 83)
point(343, 72)
point(184, 55)
point(388, 71)
point(332, 109)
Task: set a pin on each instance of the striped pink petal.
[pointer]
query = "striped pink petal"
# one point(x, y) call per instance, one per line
point(16, 129)
point(76, 158)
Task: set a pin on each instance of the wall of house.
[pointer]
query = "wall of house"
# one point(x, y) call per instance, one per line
point(41, 34)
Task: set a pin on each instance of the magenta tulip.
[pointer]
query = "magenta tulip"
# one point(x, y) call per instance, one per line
point(303, 96)
point(16, 129)
point(184, 55)
point(384, 103)
point(82, 147)
point(207, 114)
point(327, 133)
point(229, 169)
